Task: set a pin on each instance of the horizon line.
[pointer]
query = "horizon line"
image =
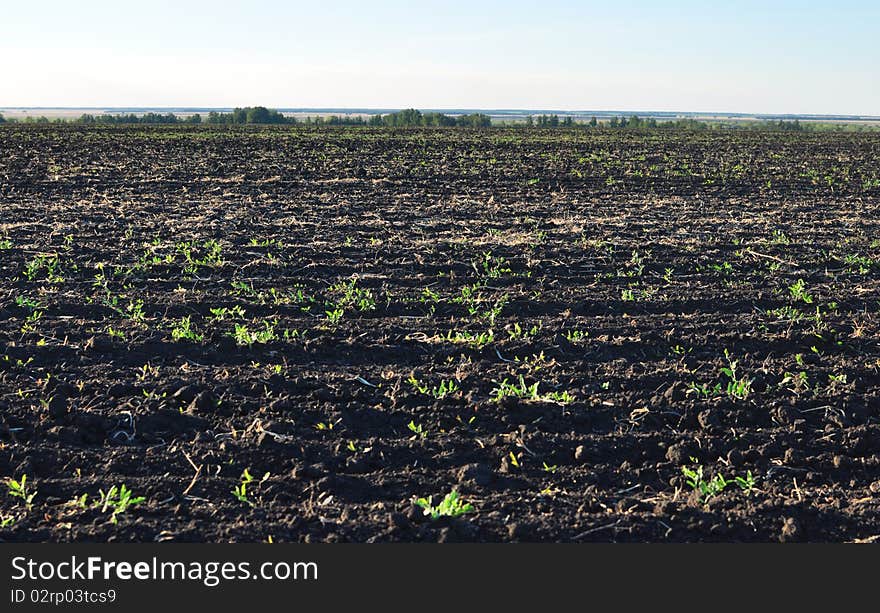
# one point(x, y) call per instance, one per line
point(511, 111)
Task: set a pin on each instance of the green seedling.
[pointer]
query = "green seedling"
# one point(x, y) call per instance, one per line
point(419, 430)
point(491, 266)
point(49, 263)
point(19, 489)
point(518, 332)
point(737, 387)
point(438, 391)
point(707, 489)
point(182, 330)
point(747, 483)
point(334, 316)
point(117, 500)
point(477, 341)
point(329, 425)
point(779, 238)
point(520, 389)
point(350, 295)
point(30, 323)
point(223, 313)
point(798, 382)
point(244, 336)
point(135, 311)
point(28, 303)
point(576, 336)
point(517, 390)
point(563, 397)
point(798, 291)
point(451, 506)
point(240, 491)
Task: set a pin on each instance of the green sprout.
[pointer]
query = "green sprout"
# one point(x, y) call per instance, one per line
point(19, 489)
point(451, 506)
point(117, 500)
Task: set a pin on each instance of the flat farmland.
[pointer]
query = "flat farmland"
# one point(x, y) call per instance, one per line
point(312, 335)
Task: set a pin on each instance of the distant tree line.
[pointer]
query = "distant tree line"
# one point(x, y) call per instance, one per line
point(416, 118)
point(29, 119)
point(250, 115)
point(262, 115)
point(635, 122)
point(632, 122)
point(131, 118)
point(335, 120)
point(781, 125)
point(550, 121)
point(246, 115)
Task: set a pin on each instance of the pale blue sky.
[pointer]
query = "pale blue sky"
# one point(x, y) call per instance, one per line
point(686, 55)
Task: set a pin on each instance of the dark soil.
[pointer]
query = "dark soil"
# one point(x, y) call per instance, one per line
point(620, 272)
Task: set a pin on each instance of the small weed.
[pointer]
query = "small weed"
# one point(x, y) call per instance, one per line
point(244, 336)
point(182, 330)
point(451, 506)
point(419, 430)
point(240, 491)
point(798, 291)
point(517, 390)
point(117, 500)
point(223, 313)
point(576, 336)
point(475, 340)
point(708, 489)
point(747, 483)
point(334, 316)
point(737, 387)
point(19, 489)
point(438, 391)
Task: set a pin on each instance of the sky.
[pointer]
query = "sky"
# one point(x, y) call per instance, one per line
point(677, 55)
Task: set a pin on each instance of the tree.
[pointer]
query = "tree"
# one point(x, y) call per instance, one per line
point(2, 118)
point(407, 117)
point(257, 114)
point(437, 120)
point(593, 122)
point(474, 120)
